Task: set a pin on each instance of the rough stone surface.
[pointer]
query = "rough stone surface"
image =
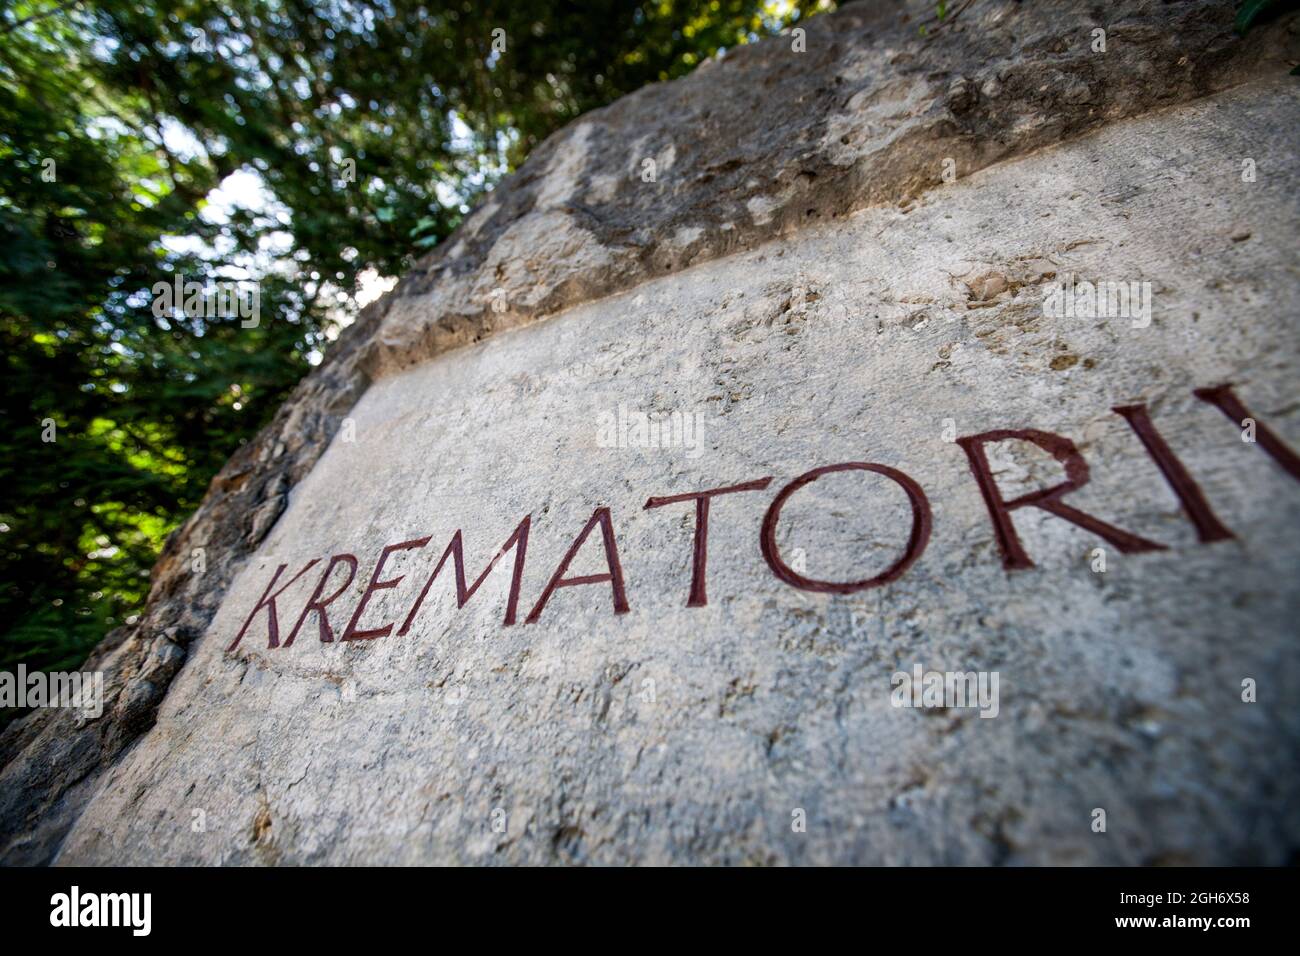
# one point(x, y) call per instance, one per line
point(799, 275)
point(769, 141)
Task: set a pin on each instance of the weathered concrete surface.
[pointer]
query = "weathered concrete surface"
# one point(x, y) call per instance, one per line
point(852, 340)
point(864, 119)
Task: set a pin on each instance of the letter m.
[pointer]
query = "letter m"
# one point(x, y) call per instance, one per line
point(115, 909)
point(455, 550)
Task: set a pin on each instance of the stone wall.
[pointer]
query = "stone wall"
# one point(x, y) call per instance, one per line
point(800, 286)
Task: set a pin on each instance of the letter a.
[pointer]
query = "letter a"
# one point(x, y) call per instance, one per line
point(614, 576)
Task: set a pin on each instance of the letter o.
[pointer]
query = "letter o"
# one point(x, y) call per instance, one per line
point(920, 537)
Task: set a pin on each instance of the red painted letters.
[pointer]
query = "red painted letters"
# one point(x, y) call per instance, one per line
point(1014, 557)
point(1049, 499)
point(518, 540)
point(268, 602)
point(614, 576)
point(352, 633)
point(916, 542)
point(314, 603)
point(699, 596)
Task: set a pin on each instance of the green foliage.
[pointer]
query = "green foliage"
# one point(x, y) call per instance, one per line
point(1257, 11)
point(118, 120)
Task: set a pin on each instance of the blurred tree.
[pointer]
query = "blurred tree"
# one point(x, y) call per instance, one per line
point(303, 144)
